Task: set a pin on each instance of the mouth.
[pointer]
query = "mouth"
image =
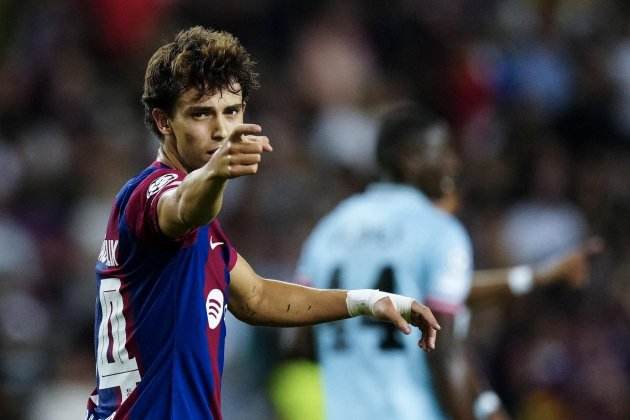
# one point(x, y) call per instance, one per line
point(211, 152)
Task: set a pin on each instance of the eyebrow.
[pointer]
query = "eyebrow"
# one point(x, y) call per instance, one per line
point(202, 108)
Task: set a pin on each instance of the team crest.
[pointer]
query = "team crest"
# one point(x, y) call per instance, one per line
point(160, 183)
point(214, 308)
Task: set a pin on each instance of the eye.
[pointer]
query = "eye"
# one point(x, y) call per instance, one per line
point(198, 115)
point(231, 112)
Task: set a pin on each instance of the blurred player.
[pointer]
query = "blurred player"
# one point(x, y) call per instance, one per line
point(166, 272)
point(394, 237)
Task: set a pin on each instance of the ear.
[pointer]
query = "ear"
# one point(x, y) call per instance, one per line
point(244, 106)
point(161, 121)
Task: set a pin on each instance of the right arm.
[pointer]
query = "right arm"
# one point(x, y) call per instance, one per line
point(197, 200)
point(450, 372)
point(448, 277)
point(454, 377)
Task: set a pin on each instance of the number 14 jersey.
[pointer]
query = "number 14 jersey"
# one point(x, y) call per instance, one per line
point(394, 239)
point(159, 328)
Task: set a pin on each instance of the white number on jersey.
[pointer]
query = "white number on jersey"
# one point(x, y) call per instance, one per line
point(122, 371)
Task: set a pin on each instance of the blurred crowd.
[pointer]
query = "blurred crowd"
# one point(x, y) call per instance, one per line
point(537, 93)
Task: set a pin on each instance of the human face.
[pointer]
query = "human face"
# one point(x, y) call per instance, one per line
point(201, 124)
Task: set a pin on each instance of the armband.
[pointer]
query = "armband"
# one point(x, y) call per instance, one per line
point(487, 403)
point(521, 279)
point(361, 302)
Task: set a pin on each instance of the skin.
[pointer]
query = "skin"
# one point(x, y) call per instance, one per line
point(205, 137)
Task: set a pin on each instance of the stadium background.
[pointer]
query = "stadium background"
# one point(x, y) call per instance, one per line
point(538, 93)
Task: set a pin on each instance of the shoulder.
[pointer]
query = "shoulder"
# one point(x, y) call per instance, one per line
point(450, 224)
point(148, 183)
point(138, 199)
point(154, 179)
point(450, 233)
point(415, 209)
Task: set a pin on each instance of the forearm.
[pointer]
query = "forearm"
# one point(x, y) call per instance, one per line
point(284, 304)
point(456, 379)
point(199, 197)
point(260, 301)
point(451, 375)
point(496, 284)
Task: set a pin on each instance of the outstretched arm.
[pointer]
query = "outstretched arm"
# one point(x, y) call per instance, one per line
point(572, 268)
point(197, 200)
point(261, 301)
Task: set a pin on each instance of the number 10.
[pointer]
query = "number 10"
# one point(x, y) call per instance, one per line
point(117, 370)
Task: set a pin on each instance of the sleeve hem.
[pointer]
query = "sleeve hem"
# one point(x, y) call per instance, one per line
point(442, 306)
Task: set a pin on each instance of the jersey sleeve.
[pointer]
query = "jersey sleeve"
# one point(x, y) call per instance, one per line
point(449, 270)
point(141, 210)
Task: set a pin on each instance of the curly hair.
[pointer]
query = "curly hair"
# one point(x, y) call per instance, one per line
point(200, 58)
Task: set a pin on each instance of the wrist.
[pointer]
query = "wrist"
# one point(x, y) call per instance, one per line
point(521, 279)
point(486, 404)
point(362, 301)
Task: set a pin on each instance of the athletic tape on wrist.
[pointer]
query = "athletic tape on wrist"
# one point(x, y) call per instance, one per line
point(361, 302)
point(521, 279)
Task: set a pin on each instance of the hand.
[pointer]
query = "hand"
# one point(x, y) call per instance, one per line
point(421, 316)
point(573, 268)
point(241, 153)
point(500, 414)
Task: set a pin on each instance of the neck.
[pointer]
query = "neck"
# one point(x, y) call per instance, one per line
point(448, 202)
point(169, 157)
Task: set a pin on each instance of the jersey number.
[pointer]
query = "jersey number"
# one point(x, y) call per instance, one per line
point(386, 282)
point(115, 368)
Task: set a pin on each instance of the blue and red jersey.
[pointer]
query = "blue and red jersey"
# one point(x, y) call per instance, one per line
point(159, 318)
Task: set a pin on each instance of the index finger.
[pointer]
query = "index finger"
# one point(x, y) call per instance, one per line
point(427, 342)
point(426, 316)
point(243, 129)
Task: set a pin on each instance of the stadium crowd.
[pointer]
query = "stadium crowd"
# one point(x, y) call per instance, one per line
point(538, 93)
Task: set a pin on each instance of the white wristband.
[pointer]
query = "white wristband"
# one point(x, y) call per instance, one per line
point(486, 404)
point(521, 279)
point(361, 302)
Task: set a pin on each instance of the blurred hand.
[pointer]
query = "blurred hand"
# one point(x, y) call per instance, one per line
point(573, 268)
point(421, 316)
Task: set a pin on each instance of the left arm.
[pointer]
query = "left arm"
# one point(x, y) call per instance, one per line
point(572, 268)
point(260, 301)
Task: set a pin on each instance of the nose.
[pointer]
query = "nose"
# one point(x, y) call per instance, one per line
point(219, 129)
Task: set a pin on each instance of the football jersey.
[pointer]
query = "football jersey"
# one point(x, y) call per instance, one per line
point(159, 328)
point(394, 239)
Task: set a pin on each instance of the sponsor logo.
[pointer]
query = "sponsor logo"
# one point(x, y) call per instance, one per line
point(160, 183)
point(214, 244)
point(214, 308)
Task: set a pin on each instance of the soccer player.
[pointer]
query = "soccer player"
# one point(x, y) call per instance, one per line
point(167, 272)
point(399, 236)
point(393, 238)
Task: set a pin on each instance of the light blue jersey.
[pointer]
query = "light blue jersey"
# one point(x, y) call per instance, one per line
point(391, 238)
